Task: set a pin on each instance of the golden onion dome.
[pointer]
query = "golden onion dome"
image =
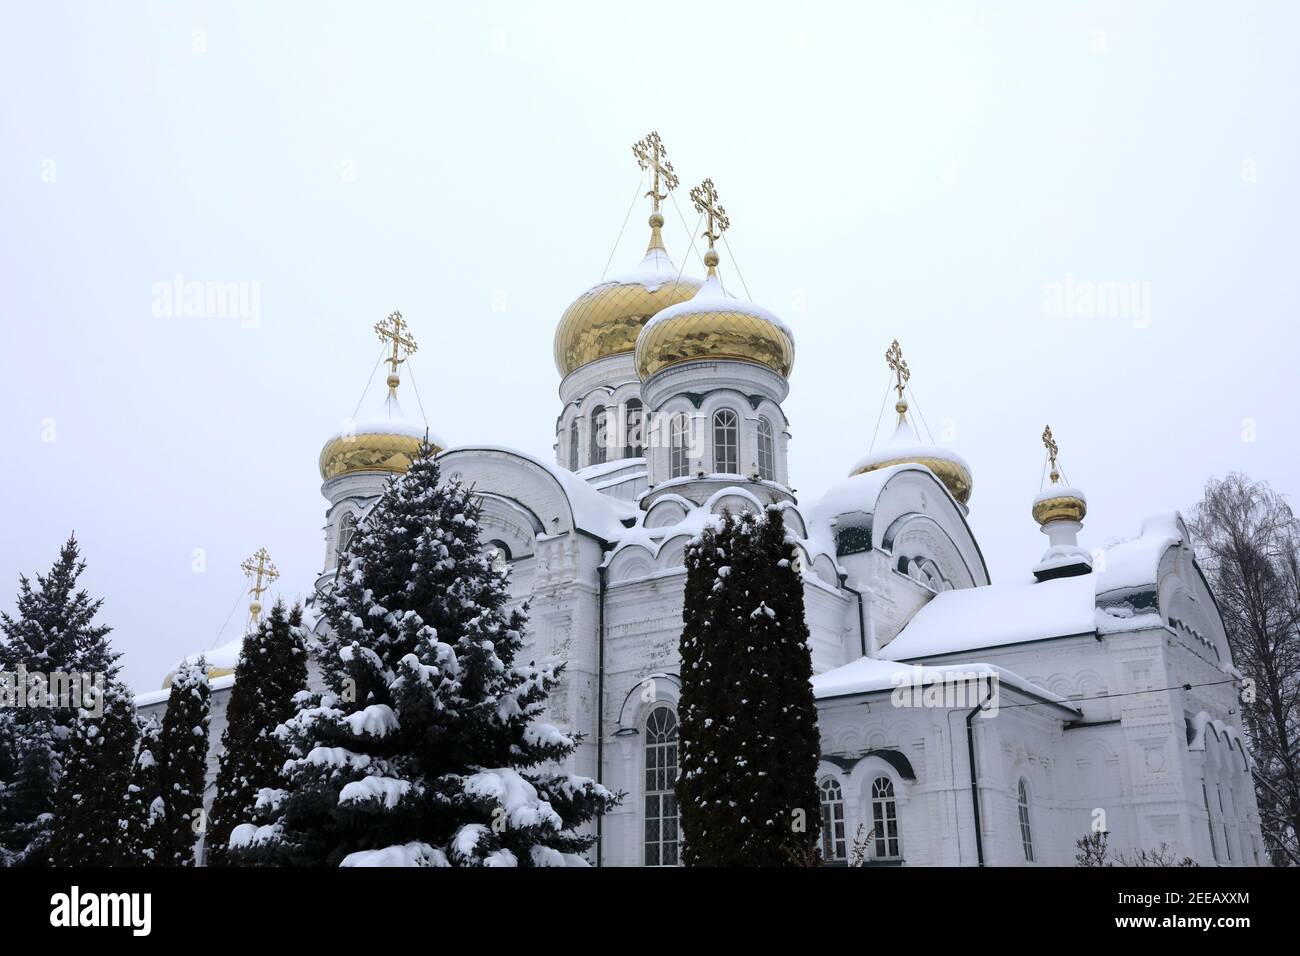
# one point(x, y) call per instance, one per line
point(713, 326)
point(904, 448)
point(387, 442)
point(1059, 503)
point(606, 319)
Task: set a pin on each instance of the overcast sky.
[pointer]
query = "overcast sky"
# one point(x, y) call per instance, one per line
point(942, 174)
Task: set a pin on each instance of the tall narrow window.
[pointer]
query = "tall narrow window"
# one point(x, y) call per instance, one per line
point(833, 842)
point(1026, 835)
point(661, 819)
point(1223, 820)
point(679, 462)
point(766, 451)
point(347, 528)
point(634, 444)
point(573, 444)
point(1214, 843)
point(599, 451)
point(726, 445)
point(884, 819)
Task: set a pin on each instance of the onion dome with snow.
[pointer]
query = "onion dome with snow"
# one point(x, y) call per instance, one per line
point(606, 319)
point(904, 447)
point(713, 324)
point(1058, 502)
point(387, 440)
point(1059, 509)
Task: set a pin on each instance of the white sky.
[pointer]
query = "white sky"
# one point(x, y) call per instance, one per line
point(891, 169)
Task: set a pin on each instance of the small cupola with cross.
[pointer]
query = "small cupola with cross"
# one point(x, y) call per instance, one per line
point(1059, 511)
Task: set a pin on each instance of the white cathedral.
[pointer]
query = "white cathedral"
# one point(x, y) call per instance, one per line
point(962, 722)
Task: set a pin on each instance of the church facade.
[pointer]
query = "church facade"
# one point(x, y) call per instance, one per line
point(963, 722)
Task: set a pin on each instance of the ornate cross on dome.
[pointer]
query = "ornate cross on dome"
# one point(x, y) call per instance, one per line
point(395, 331)
point(651, 155)
point(1050, 444)
point(259, 568)
point(897, 365)
point(705, 198)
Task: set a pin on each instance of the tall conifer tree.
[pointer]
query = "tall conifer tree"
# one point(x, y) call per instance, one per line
point(427, 749)
point(88, 805)
point(748, 722)
point(54, 632)
point(183, 763)
point(272, 669)
point(143, 814)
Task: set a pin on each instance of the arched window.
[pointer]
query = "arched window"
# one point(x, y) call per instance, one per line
point(1026, 835)
point(634, 444)
point(833, 842)
point(599, 452)
point(679, 462)
point(498, 554)
point(347, 528)
point(661, 819)
point(766, 451)
point(726, 444)
point(573, 444)
point(884, 819)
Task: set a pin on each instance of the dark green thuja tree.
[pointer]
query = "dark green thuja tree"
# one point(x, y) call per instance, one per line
point(54, 632)
point(272, 669)
point(428, 747)
point(89, 812)
point(143, 815)
point(748, 721)
point(183, 764)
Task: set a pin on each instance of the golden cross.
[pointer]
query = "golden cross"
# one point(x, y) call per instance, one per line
point(258, 567)
point(395, 330)
point(651, 155)
point(897, 365)
point(705, 198)
point(1050, 444)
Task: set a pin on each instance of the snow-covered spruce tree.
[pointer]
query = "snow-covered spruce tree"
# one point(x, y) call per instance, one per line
point(143, 820)
point(87, 829)
point(54, 631)
point(427, 749)
point(183, 762)
point(272, 669)
point(749, 743)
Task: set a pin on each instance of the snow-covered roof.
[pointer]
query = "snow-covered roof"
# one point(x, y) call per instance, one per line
point(1136, 562)
point(152, 697)
point(1028, 610)
point(868, 675)
point(600, 514)
point(971, 618)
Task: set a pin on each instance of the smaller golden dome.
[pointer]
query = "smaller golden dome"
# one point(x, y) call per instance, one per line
point(1059, 503)
point(606, 319)
point(904, 449)
point(389, 443)
point(714, 326)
